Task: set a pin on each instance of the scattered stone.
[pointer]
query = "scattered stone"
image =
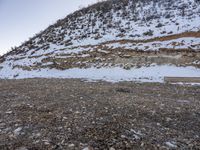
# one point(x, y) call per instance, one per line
point(123, 136)
point(88, 148)
point(9, 112)
point(71, 145)
point(171, 144)
point(22, 148)
point(129, 123)
point(17, 131)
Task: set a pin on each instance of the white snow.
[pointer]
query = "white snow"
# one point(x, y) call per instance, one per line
point(135, 29)
point(111, 74)
point(180, 43)
point(176, 23)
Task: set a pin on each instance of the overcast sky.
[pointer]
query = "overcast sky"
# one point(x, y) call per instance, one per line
point(21, 19)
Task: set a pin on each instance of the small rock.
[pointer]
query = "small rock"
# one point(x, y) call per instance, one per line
point(17, 131)
point(171, 144)
point(9, 112)
point(46, 142)
point(2, 125)
point(71, 145)
point(77, 112)
point(168, 119)
point(88, 148)
point(158, 124)
point(22, 148)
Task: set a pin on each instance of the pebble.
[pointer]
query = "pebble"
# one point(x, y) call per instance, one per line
point(71, 145)
point(22, 148)
point(17, 131)
point(171, 144)
point(9, 112)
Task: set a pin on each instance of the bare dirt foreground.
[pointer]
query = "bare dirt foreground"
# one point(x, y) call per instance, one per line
point(58, 114)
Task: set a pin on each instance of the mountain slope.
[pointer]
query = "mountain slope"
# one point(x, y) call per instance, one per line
point(114, 35)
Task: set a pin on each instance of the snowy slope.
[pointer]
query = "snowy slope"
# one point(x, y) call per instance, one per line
point(124, 35)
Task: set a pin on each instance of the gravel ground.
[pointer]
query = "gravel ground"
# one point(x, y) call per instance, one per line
point(56, 114)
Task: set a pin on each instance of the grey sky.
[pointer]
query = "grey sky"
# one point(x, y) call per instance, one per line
point(21, 19)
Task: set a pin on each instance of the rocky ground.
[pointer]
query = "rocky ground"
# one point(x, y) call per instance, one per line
point(69, 114)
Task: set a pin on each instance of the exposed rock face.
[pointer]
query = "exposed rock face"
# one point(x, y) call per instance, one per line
point(114, 33)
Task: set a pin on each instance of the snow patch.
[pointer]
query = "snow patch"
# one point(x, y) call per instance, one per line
point(110, 74)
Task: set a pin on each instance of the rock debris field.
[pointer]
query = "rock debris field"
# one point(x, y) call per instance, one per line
point(66, 114)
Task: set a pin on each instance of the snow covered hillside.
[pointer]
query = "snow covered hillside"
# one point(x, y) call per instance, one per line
point(116, 40)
